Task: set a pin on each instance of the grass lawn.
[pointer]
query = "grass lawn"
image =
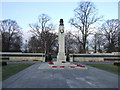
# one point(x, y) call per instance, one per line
point(13, 68)
point(107, 67)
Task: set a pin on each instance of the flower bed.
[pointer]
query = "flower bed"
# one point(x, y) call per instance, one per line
point(54, 66)
point(78, 65)
point(50, 63)
point(62, 66)
point(72, 66)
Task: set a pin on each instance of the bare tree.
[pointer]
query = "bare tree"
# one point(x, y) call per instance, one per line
point(71, 43)
point(16, 43)
point(33, 45)
point(39, 30)
point(42, 31)
point(98, 41)
point(11, 35)
point(51, 43)
point(85, 16)
point(111, 31)
point(41, 26)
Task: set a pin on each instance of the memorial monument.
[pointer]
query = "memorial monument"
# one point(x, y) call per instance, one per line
point(61, 41)
point(61, 58)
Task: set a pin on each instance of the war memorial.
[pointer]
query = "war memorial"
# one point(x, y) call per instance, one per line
point(60, 73)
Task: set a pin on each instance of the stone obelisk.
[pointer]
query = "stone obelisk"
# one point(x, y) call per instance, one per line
point(61, 41)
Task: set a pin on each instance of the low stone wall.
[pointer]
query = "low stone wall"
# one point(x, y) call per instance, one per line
point(41, 59)
point(23, 56)
point(97, 57)
point(88, 58)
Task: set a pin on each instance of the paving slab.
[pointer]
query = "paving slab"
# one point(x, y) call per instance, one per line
point(32, 77)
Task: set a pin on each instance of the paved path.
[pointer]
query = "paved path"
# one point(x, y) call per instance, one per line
point(32, 77)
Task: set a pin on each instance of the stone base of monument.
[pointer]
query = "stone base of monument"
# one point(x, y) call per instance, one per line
point(61, 65)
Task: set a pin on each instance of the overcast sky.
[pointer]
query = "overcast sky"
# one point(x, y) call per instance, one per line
point(26, 13)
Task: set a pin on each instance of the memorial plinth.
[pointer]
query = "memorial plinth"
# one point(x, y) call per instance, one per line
point(61, 41)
